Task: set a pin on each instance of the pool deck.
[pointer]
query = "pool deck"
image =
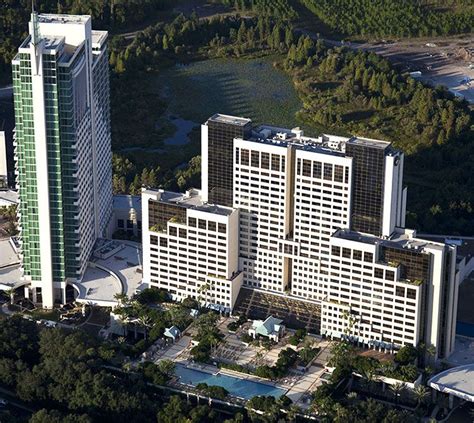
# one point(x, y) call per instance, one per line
point(297, 386)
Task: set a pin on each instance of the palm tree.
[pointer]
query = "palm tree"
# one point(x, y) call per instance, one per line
point(421, 394)
point(397, 390)
point(204, 289)
point(145, 321)
point(121, 298)
point(369, 378)
point(167, 367)
point(258, 358)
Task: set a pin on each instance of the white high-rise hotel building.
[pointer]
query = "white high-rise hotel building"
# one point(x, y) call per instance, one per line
point(320, 220)
point(62, 149)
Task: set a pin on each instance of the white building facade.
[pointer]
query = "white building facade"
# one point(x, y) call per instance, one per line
point(322, 220)
point(190, 249)
point(62, 150)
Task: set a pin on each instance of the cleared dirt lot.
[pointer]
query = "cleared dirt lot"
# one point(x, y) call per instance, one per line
point(441, 62)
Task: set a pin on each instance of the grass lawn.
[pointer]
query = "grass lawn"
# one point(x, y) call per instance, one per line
point(251, 88)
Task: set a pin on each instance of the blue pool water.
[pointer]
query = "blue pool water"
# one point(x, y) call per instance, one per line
point(235, 386)
point(465, 329)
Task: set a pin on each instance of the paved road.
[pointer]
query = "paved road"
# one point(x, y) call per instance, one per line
point(14, 401)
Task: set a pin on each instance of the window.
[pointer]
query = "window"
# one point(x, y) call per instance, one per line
point(129, 224)
point(244, 158)
point(163, 242)
point(192, 222)
point(357, 255)
point(275, 162)
point(317, 170)
point(328, 171)
point(202, 224)
point(153, 240)
point(306, 168)
point(336, 251)
point(265, 164)
point(346, 253)
point(211, 226)
point(173, 231)
point(390, 275)
point(120, 223)
point(378, 273)
point(368, 257)
point(222, 228)
point(255, 159)
point(338, 173)
point(400, 291)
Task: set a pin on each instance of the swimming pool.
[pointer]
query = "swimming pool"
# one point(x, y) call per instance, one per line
point(465, 329)
point(237, 387)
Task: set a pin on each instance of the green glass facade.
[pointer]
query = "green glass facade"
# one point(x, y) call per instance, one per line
point(61, 153)
point(26, 166)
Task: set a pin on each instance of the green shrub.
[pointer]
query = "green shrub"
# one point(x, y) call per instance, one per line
point(233, 326)
point(153, 374)
point(297, 337)
point(201, 352)
point(212, 391)
point(246, 338)
point(406, 355)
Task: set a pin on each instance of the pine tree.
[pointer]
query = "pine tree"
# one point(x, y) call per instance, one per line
point(165, 42)
point(288, 37)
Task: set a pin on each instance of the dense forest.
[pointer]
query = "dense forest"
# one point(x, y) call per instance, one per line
point(342, 92)
point(64, 376)
point(69, 377)
point(395, 18)
point(106, 14)
point(280, 9)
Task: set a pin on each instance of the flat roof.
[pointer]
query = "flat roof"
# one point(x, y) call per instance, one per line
point(65, 19)
point(193, 201)
point(127, 202)
point(9, 197)
point(10, 276)
point(398, 240)
point(127, 264)
point(98, 37)
point(231, 120)
point(369, 142)
point(98, 285)
point(121, 272)
point(458, 381)
point(8, 255)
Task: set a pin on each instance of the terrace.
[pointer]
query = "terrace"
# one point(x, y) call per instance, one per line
point(112, 274)
point(10, 273)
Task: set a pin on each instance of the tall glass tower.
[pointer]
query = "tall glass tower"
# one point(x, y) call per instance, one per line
point(62, 150)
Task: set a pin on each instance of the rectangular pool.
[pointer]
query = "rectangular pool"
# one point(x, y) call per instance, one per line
point(237, 387)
